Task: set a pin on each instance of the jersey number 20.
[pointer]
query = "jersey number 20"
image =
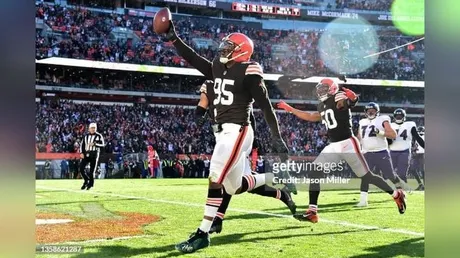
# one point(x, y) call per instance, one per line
point(329, 119)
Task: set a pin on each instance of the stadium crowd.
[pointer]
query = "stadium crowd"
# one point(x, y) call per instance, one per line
point(87, 35)
point(151, 82)
point(171, 130)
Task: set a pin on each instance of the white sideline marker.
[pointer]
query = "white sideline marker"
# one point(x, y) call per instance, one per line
point(341, 223)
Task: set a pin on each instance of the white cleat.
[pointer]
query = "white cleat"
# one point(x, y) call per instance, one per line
point(361, 204)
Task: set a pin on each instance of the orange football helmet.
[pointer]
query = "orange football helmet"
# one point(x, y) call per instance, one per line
point(236, 47)
point(326, 88)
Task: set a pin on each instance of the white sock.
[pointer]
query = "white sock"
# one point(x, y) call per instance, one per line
point(205, 225)
point(313, 207)
point(395, 193)
point(260, 180)
point(209, 211)
point(364, 196)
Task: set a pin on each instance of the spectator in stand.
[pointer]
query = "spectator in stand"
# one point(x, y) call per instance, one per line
point(87, 35)
point(130, 131)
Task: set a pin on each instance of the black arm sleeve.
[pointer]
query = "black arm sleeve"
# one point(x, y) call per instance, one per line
point(260, 94)
point(417, 137)
point(200, 63)
point(351, 104)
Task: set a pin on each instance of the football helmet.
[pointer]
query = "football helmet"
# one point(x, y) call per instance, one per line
point(372, 105)
point(326, 88)
point(399, 115)
point(236, 47)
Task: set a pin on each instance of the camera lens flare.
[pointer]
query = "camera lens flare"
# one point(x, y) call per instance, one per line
point(409, 16)
point(344, 44)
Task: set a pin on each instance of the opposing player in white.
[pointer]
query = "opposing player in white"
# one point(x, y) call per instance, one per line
point(374, 130)
point(401, 147)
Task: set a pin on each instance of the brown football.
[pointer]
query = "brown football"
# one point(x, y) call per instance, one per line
point(161, 21)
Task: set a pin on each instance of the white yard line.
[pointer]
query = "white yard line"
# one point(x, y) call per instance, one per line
point(335, 222)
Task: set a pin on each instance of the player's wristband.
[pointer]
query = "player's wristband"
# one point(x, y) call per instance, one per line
point(381, 133)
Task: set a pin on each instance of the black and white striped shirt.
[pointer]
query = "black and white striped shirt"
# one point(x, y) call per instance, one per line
point(95, 138)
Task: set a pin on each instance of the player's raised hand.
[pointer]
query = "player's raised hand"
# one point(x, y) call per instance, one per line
point(171, 34)
point(351, 95)
point(285, 106)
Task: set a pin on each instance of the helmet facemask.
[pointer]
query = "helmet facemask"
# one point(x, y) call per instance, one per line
point(372, 114)
point(226, 50)
point(399, 118)
point(322, 91)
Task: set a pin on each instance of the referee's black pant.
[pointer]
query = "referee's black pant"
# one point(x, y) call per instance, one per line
point(92, 159)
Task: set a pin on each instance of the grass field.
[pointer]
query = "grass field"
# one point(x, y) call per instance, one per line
point(255, 226)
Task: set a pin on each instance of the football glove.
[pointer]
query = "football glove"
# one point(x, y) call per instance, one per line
point(351, 95)
point(171, 34)
point(285, 106)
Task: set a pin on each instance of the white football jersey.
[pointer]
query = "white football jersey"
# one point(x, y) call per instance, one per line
point(370, 141)
point(420, 149)
point(403, 139)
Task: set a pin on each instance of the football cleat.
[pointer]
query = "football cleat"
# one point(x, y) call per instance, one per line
point(420, 187)
point(83, 186)
point(361, 204)
point(309, 215)
point(400, 200)
point(216, 226)
point(290, 203)
point(197, 241)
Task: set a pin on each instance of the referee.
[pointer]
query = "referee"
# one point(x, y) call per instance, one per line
point(90, 149)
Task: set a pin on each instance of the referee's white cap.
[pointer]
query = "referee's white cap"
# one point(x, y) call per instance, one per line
point(93, 125)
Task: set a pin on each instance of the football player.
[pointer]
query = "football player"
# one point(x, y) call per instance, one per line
point(334, 110)
point(237, 82)
point(206, 94)
point(401, 147)
point(373, 132)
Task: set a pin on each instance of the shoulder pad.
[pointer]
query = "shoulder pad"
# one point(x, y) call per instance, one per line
point(340, 96)
point(254, 68)
point(412, 124)
point(385, 118)
point(204, 86)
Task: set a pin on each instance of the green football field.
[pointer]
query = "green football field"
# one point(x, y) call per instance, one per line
point(255, 226)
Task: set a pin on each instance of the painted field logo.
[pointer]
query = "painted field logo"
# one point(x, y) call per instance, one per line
point(58, 228)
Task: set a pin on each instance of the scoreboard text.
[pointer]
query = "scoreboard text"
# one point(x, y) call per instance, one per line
point(266, 9)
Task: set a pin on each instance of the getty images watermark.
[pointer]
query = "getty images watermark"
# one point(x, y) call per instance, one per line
point(300, 172)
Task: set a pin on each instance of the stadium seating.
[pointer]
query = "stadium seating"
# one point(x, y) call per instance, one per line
point(172, 130)
point(80, 33)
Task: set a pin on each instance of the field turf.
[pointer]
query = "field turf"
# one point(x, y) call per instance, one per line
point(255, 226)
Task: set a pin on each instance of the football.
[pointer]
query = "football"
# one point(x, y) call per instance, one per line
point(161, 21)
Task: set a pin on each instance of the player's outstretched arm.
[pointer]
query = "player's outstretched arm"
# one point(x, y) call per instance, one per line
point(200, 63)
point(417, 137)
point(389, 132)
point(304, 115)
